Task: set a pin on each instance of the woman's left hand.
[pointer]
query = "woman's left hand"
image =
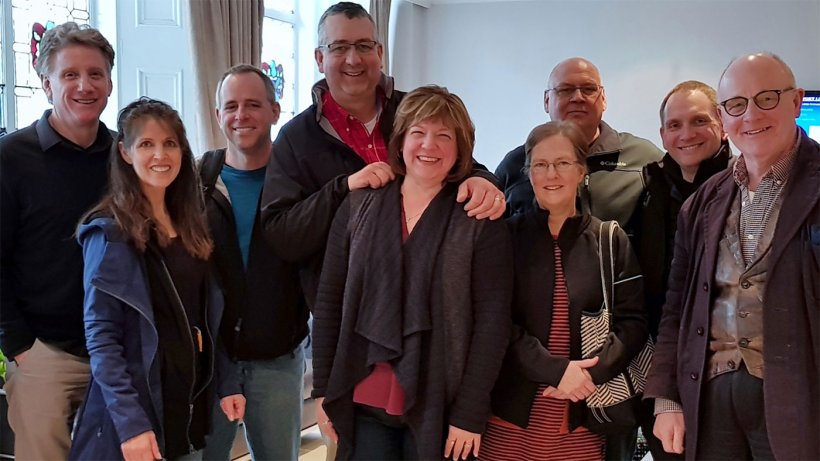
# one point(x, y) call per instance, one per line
point(486, 201)
point(461, 443)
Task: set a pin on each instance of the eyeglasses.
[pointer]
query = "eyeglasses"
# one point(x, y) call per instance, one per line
point(561, 167)
point(766, 100)
point(342, 48)
point(587, 91)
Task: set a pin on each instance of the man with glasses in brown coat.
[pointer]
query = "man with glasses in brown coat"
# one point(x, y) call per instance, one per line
point(735, 373)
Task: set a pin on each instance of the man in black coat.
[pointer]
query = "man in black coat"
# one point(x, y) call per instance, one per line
point(697, 149)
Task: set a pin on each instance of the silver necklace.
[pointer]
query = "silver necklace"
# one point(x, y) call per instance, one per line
point(407, 220)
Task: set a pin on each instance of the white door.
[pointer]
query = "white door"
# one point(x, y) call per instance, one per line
point(154, 57)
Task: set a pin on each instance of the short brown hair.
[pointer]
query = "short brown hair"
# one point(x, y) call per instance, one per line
point(433, 102)
point(689, 85)
point(240, 69)
point(70, 33)
point(555, 128)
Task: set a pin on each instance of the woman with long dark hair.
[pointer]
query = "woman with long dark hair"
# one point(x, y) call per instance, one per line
point(151, 305)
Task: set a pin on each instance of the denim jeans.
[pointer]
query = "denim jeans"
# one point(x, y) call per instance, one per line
point(273, 410)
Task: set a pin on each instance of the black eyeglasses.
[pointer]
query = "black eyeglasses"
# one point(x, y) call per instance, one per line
point(342, 48)
point(766, 100)
point(587, 91)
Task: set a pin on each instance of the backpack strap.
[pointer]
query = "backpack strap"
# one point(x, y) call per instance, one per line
point(210, 165)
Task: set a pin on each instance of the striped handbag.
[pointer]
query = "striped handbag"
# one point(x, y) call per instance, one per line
point(614, 405)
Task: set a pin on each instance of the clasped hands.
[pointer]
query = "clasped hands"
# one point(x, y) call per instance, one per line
point(576, 384)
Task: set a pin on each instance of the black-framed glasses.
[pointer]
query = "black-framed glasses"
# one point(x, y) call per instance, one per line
point(342, 48)
point(765, 100)
point(566, 91)
point(561, 166)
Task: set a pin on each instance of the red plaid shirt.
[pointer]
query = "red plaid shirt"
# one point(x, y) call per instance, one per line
point(369, 146)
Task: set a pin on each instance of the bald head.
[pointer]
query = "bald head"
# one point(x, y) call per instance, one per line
point(758, 62)
point(751, 81)
point(572, 65)
point(575, 94)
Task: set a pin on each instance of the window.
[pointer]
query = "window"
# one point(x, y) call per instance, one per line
point(22, 24)
point(279, 55)
point(288, 41)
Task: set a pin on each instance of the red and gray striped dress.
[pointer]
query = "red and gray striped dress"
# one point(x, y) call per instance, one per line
point(546, 437)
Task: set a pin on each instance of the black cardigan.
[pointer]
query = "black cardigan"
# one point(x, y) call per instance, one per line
point(528, 363)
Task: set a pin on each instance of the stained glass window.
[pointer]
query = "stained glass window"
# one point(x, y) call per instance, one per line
point(29, 20)
point(277, 75)
point(278, 61)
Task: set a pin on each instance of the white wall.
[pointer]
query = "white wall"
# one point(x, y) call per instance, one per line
point(497, 55)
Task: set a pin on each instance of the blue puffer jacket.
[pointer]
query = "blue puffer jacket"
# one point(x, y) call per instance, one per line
point(124, 397)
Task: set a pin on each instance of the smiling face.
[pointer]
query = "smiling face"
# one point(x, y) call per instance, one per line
point(585, 111)
point(78, 84)
point(553, 190)
point(246, 114)
point(757, 132)
point(155, 155)
point(691, 131)
point(351, 76)
point(429, 151)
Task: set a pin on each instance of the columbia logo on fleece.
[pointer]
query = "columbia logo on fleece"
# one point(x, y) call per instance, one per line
point(605, 162)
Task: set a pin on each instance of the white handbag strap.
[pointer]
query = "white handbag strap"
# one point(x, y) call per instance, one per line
point(607, 265)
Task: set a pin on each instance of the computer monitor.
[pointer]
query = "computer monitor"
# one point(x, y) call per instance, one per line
point(809, 118)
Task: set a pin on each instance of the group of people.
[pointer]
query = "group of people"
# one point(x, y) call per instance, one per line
point(439, 330)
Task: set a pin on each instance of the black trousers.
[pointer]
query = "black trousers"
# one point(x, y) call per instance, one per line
point(621, 447)
point(379, 436)
point(733, 422)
